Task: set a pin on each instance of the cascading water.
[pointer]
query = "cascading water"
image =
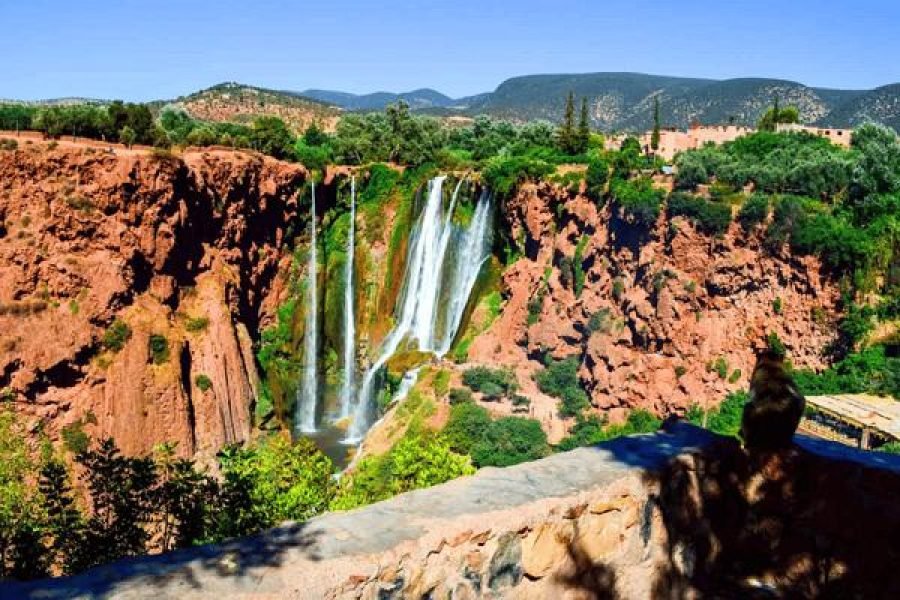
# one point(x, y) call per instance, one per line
point(474, 251)
point(348, 382)
point(307, 396)
point(433, 241)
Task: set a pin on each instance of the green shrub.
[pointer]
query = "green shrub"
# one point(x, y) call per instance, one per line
point(735, 376)
point(775, 344)
point(493, 383)
point(520, 401)
point(578, 265)
point(503, 174)
point(754, 211)
point(726, 418)
point(680, 370)
point(600, 321)
point(195, 324)
point(418, 460)
point(721, 367)
point(159, 349)
point(640, 201)
point(560, 380)
point(116, 336)
point(536, 306)
point(203, 382)
point(596, 177)
point(618, 288)
point(777, 306)
point(460, 395)
point(74, 437)
point(592, 430)
point(710, 217)
point(871, 370)
point(504, 442)
point(441, 383)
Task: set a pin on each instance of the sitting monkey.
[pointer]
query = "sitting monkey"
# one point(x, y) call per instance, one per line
point(776, 405)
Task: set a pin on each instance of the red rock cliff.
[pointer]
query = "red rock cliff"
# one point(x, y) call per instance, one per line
point(668, 304)
point(187, 249)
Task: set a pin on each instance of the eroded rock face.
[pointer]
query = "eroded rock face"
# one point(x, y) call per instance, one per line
point(659, 308)
point(189, 250)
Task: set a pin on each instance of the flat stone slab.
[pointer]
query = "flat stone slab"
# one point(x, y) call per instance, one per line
point(279, 562)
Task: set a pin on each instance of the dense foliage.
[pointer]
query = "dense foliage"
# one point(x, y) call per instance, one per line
point(499, 443)
point(709, 217)
point(492, 383)
point(560, 379)
point(590, 430)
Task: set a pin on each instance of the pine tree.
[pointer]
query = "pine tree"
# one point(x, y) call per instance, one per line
point(65, 523)
point(181, 500)
point(566, 133)
point(121, 491)
point(654, 137)
point(584, 128)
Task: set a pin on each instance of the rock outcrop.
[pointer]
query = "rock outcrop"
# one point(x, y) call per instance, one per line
point(187, 250)
point(667, 317)
point(681, 513)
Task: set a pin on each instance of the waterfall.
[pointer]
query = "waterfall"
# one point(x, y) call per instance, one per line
point(349, 317)
point(433, 241)
point(307, 396)
point(474, 251)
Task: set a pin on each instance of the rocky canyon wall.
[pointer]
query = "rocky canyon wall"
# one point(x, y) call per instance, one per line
point(668, 316)
point(187, 252)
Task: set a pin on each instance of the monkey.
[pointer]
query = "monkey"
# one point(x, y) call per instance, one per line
point(775, 408)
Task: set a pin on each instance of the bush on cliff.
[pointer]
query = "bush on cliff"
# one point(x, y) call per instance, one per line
point(710, 217)
point(420, 459)
point(493, 383)
point(754, 211)
point(871, 370)
point(498, 443)
point(591, 430)
point(560, 379)
point(640, 201)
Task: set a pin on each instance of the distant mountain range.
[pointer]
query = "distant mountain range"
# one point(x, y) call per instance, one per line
point(617, 101)
point(624, 101)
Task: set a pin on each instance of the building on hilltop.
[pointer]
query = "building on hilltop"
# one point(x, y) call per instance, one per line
point(672, 140)
point(839, 137)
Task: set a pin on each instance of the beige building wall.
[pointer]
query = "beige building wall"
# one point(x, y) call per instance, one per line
point(839, 137)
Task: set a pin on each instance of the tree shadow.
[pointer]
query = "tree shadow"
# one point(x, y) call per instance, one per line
point(594, 579)
point(797, 523)
point(237, 566)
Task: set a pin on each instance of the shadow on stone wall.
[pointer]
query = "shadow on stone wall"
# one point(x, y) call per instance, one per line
point(233, 563)
point(779, 525)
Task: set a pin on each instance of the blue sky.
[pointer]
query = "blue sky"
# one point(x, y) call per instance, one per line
point(141, 50)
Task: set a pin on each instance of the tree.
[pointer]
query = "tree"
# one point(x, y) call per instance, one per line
point(596, 177)
point(127, 136)
point(121, 491)
point(566, 135)
point(315, 135)
point(654, 137)
point(21, 548)
point(584, 129)
point(271, 136)
point(65, 523)
point(776, 115)
point(183, 500)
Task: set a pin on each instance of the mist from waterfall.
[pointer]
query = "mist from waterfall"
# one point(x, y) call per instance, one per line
point(348, 382)
point(308, 393)
point(435, 271)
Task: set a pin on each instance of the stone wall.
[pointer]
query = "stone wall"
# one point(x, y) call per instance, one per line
point(677, 514)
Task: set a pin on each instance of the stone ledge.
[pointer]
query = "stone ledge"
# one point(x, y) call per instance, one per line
point(589, 518)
